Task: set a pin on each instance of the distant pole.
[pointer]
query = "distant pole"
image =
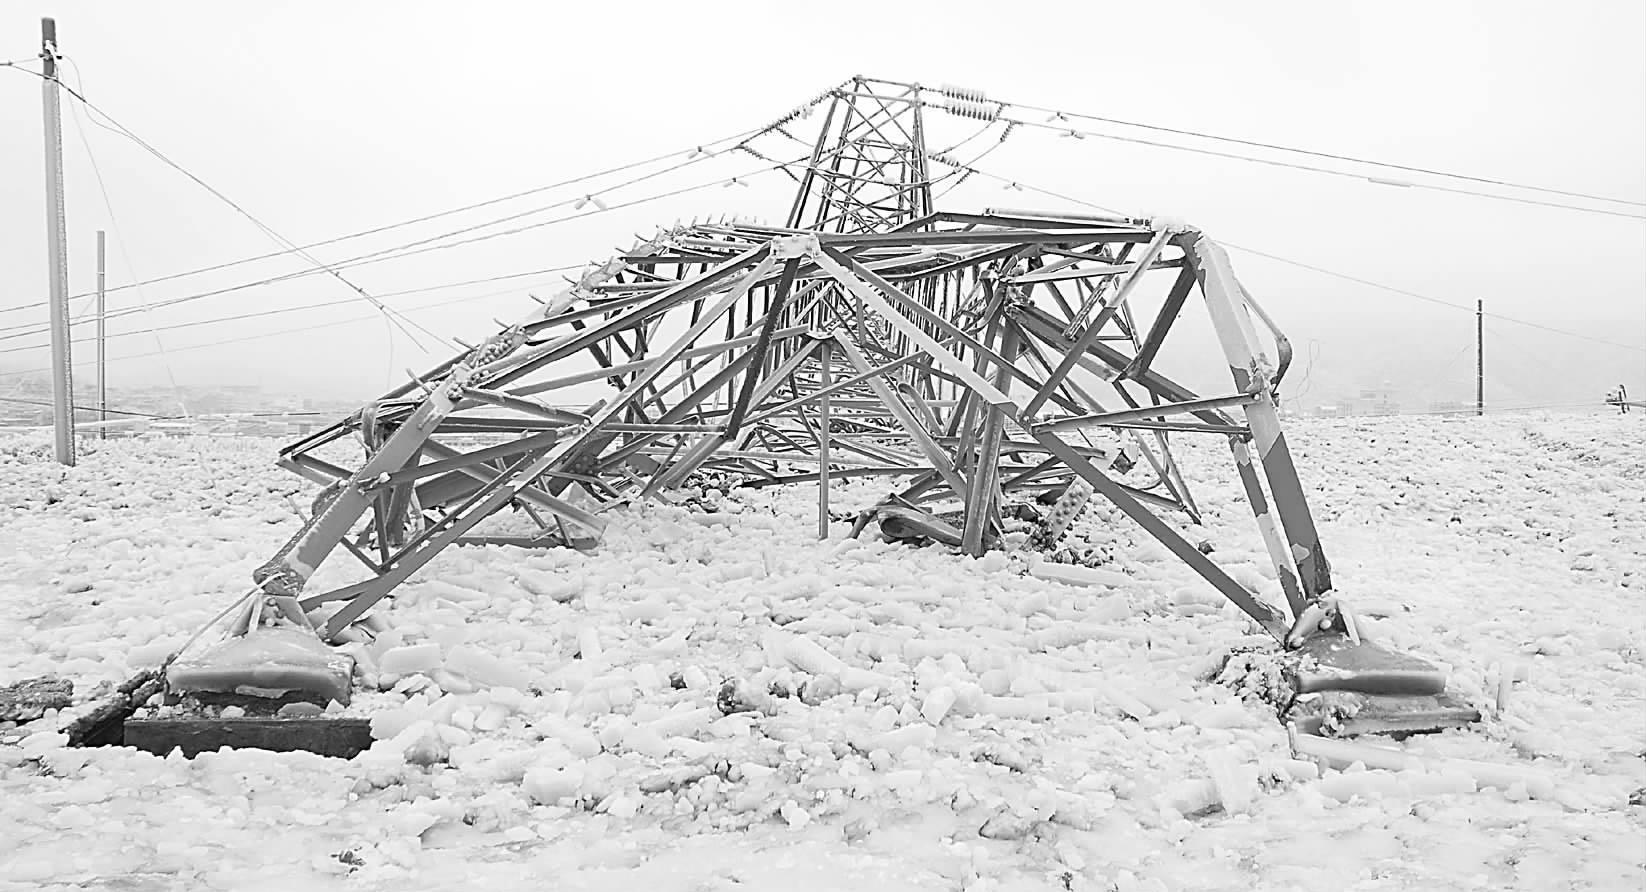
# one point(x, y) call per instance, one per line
point(102, 356)
point(1480, 357)
point(62, 393)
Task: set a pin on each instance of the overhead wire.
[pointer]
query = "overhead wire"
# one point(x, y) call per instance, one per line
point(376, 230)
point(1272, 162)
point(272, 334)
point(700, 151)
point(27, 402)
point(1063, 114)
point(119, 238)
point(1327, 272)
point(125, 131)
point(256, 314)
point(431, 243)
point(379, 256)
point(121, 129)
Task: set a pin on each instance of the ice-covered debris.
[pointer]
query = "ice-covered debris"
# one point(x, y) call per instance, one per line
point(267, 662)
point(28, 700)
point(1263, 676)
point(898, 612)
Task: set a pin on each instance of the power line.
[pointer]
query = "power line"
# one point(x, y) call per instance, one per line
point(377, 256)
point(126, 132)
point(704, 154)
point(1434, 300)
point(275, 236)
point(1059, 115)
point(1323, 271)
point(12, 399)
point(268, 334)
point(255, 314)
point(1076, 132)
point(114, 224)
point(701, 151)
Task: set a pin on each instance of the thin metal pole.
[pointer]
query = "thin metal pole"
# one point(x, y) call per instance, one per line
point(102, 356)
point(823, 380)
point(62, 392)
point(1480, 357)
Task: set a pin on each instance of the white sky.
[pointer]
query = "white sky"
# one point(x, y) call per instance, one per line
point(324, 119)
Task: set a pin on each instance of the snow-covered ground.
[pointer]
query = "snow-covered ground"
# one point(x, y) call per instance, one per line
point(924, 721)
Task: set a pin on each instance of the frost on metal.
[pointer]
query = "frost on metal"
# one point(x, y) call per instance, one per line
point(972, 362)
point(266, 663)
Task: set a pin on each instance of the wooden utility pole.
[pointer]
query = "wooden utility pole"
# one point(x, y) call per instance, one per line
point(62, 371)
point(102, 355)
point(1480, 357)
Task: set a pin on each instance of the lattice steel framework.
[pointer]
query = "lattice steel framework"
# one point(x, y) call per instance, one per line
point(956, 354)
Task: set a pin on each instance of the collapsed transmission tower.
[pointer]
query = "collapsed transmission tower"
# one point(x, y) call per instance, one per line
point(965, 357)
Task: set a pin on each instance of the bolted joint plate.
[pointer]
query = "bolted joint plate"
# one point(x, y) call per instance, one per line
point(795, 247)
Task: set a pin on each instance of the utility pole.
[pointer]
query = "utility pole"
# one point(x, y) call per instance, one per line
point(102, 356)
point(62, 390)
point(1480, 357)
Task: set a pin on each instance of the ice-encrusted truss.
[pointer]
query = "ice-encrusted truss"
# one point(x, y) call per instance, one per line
point(956, 355)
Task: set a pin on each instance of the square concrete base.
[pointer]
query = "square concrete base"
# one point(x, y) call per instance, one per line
point(340, 737)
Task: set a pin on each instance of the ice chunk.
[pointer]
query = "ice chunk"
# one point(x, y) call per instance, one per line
point(1073, 574)
point(388, 723)
point(492, 717)
point(937, 704)
point(1196, 796)
point(1236, 783)
point(796, 816)
point(549, 786)
point(560, 590)
point(1341, 753)
point(682, 722)
point(916, 735)
point(576, 738)
point(588, 643)
point(1224, 715)
point(409, 658)
point(43, 742)
point(486, 670)
point(808, 656)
